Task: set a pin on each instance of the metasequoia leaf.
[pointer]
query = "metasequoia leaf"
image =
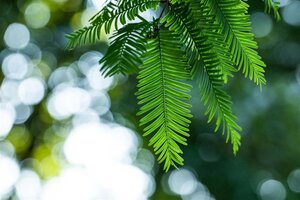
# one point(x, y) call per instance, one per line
point(203, 40)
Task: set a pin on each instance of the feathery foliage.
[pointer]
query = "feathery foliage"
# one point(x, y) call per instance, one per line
point(270, 6)
point(124, 54)
point(200, 48)
point(203, 40)
point(112, 14)
point(163, 94)
point(236, 30)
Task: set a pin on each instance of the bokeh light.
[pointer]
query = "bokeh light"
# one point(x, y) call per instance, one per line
point(86, 116)
point(98, 4)
point(7, 116)
point(23, 112)
point(9, 91)
point(15, 66)
point(262, 24)
point(283, 3)
point(96, 81)
point(28, 185)
point(182, 182)
point(31, 91)
point(61, 75)
point(16, 36)
point(87, 60)
point(100, 102)
point(9, 173)
point(291, 14)
point(37, 14)
point(67, 101)
point(98, 142)
point(33, 52)
point(86, 15)
point(272, 190)
point(294, 180)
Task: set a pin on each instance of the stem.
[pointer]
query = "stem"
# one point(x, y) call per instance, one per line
point(163, 10)
point(166, 4)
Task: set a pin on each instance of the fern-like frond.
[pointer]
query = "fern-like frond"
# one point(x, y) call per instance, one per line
point(232, 16)
point(217, 102)
point(205, 40)
point(180, 20)
point(124, 53)
point(198, 47)
point(112, 14)
point(163, 95)
point(270, 6)
point(212, 30)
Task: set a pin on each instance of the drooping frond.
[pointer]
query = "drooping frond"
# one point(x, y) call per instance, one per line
point(232, 16)
point(180, 19)
point(124, 53)
point(270, 6)
point(205, 40)
point(112, 14)
point(212, 30)
point(163, 94)
point(217, 102)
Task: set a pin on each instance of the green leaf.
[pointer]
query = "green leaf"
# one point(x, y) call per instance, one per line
point(203, 58)
point(232, 16)
point(205, 40)
point(111, 14)
point(124, 54)
point(163, 95)
point(218, 103)
point(211, 30)
point(270, 6)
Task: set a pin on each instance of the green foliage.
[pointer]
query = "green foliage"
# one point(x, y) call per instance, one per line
point(125, 51)
point(271, 5)
point(112, 14)
point(203, 40)
point(163, 95)
point(202, 52)
point(236, 30)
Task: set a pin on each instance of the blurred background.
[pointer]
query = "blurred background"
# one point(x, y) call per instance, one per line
point(68, 133)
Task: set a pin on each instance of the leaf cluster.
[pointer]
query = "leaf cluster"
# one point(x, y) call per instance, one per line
point(203, 40)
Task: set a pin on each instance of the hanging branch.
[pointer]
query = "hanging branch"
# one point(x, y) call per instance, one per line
point(204, 40)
